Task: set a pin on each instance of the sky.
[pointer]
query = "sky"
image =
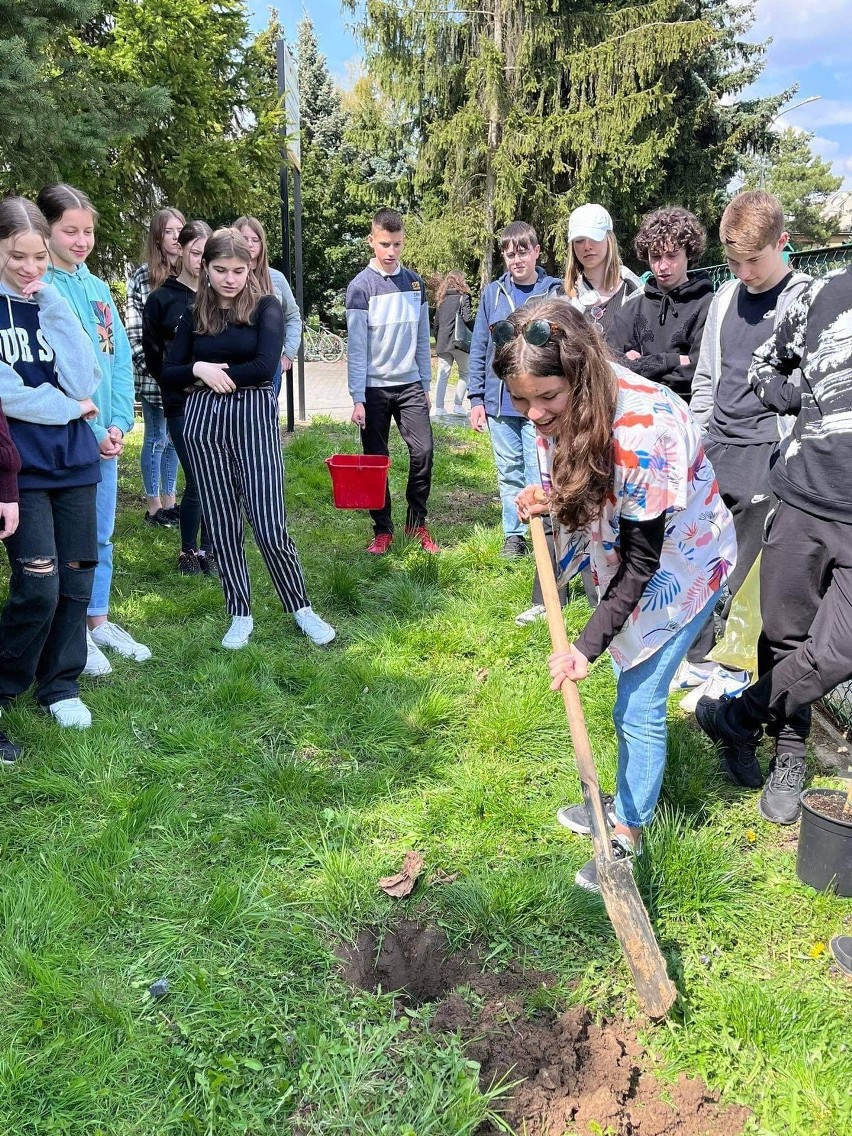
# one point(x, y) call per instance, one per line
point(809, 48)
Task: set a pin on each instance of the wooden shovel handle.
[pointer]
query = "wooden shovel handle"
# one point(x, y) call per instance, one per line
point(570, 694)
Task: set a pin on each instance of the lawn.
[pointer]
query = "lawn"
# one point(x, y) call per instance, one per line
point(224, 823)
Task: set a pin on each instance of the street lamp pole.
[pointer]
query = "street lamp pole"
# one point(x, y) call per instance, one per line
point(804, 102)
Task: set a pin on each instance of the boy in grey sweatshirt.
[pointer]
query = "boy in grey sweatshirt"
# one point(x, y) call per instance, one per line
point(390, 372)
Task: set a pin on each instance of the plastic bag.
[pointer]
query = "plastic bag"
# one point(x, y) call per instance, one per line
point(737, 649)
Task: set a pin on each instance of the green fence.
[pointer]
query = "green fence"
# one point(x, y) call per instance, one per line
point(816, 262)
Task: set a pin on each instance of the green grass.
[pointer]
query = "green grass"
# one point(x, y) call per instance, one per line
point(226, 818)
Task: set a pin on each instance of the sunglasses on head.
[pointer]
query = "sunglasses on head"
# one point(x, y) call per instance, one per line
point(536, 332)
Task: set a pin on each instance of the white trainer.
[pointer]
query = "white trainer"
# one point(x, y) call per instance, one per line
point(97, 664)
point(239, 633)
point(316, 629)
point(723, 683)
point(689, 675)
point(115, 638)
point(71, 713)
point(537, 611)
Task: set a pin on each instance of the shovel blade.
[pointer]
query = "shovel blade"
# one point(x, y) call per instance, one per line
point(629, 919)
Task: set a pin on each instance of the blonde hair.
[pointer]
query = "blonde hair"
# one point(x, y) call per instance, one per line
point(159, 269)
point(453, 282)
point(208, 317)
point(576, 353)
point(261, 273)
point(612, 268)
point(752, 220)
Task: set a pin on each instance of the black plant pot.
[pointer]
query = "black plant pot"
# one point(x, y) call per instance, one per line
point(825, 844)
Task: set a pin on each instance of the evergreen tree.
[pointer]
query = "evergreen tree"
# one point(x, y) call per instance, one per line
point(59, 113)
point(803, 184)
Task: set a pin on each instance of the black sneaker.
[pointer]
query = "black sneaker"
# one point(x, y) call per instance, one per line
point(9, 752)
point(738, 751)
point(173, 514)
point(160, 519)
point(207, 560)
point(623, 849)
point(576, 817)
point(188, 564)
point(779, 802)
point(513, 547)
point(841, 948)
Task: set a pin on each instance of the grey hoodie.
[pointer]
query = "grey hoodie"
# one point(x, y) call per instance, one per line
point(709, 367)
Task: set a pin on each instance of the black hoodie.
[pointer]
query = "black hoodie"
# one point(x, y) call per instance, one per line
point(162, 313)
point(662, 326)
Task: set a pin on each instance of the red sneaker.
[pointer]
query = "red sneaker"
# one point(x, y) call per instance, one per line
point(421, 533)
point(380, 543)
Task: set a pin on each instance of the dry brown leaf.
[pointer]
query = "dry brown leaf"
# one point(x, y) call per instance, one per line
point(441, 877)
point(402, 884)
point(482, 674)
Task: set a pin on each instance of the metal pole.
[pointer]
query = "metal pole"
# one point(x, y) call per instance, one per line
point(284, 196)
point(300, 292)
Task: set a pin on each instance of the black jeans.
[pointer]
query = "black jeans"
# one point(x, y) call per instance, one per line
point(805, 649)
point(43, 624)
point(407, 406)
point(190, 503)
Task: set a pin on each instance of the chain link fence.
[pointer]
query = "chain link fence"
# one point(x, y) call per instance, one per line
point(816, 262)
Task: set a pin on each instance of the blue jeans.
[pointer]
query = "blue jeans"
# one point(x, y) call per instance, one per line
point(639, 715)
point(106, 502)
point(513, 443)
point(158, 460)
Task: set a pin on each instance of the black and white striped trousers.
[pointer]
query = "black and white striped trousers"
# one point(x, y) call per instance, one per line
point(235, 451)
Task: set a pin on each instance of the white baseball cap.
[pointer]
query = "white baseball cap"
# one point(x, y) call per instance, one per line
point(590, 221)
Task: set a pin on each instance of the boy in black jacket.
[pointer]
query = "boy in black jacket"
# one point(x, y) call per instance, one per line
point(657, 332)
point(805, 649)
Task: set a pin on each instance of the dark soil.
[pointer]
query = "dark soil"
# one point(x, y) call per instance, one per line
point(831, 804)
point(576, 1076)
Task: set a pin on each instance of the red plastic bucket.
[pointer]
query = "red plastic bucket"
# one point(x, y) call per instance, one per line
point(358, 481)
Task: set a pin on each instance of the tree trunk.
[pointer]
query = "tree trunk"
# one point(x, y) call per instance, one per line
point(486, 269)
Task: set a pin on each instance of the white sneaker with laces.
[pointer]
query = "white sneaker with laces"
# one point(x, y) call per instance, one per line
point(537, 611)
point(71, 713)
point(115, 638)
point(721, 684)
point(239, 633)
point(689, 674)
point(97, 664)
point(316, 629)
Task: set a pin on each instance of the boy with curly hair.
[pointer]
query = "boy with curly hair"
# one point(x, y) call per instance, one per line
point(657, 333)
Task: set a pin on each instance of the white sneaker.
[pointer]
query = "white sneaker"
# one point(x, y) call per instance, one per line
point(316, 629)
point(97, 664)
point(689, 674)
point(722, 683)
point(459, 410)
point(537, 611)
point(71, 713)
point(116, 639)
point(239, 633)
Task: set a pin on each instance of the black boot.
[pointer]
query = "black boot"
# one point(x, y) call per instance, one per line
point(779, 801)
point(737, 748)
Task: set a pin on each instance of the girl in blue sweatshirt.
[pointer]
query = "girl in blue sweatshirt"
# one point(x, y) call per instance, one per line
point(72, 219)
point(48, 373)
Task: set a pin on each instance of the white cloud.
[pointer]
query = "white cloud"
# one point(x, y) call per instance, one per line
point(803, 33)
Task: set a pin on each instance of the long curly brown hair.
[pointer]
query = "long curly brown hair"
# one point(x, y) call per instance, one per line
point(577, 354)
point(453, 282)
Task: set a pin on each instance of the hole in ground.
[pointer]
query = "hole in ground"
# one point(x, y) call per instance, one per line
point(410, 960)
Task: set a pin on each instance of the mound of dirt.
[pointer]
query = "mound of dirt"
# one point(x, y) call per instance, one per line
point(577, 1077)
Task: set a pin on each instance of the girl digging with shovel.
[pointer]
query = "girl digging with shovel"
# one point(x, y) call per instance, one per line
point(633, 495)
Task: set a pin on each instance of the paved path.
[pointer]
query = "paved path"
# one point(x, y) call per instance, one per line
point(326, 392)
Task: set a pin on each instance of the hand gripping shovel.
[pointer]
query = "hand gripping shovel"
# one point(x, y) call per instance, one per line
point(618, 887)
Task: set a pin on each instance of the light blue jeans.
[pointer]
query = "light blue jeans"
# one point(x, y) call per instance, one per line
point(105, 507)
point(158, 460)
point(513, 443)
point(639, 715)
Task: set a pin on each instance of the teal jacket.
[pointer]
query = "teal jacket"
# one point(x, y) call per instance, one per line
point(93, 305)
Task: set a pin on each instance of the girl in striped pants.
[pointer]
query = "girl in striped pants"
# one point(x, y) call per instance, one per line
point(226, 350)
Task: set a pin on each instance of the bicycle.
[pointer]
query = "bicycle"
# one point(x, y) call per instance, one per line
point(323, 346)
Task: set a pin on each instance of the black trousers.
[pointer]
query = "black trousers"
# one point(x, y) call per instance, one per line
point(408, 406)
point(191, 519)
point(805, 649)
point(43, 623)
point(743, 476)
point(235, 449)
